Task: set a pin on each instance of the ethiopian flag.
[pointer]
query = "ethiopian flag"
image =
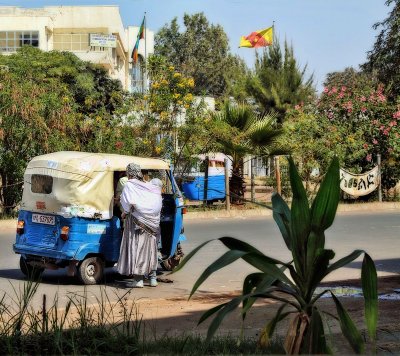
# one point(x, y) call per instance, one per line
point(261, 38)
point(140, 36)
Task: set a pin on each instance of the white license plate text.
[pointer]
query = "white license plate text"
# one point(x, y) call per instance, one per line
point(43, 219)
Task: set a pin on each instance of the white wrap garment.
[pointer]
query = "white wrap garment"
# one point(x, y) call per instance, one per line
point(144, 201)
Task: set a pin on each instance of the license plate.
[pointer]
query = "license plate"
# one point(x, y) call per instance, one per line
point(43, 219)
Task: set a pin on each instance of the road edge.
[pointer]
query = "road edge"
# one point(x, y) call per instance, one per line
point(258, 212)
point(222, 214)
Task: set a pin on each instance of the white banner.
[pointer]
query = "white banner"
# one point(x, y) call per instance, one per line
point(359, 184)
point(99, 40)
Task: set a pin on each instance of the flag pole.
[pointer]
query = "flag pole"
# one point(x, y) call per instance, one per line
point(145, 52)
point(273, 31)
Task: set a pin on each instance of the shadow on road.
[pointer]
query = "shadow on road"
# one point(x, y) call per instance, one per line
point(391, 265)
point(60, 277)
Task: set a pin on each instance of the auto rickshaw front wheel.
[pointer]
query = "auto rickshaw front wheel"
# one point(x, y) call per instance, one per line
point(91, 270)
point(31, 272)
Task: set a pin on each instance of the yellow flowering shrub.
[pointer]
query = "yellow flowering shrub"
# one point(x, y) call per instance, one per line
point(170, 95)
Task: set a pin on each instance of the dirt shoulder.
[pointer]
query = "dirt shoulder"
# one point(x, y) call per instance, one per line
point(177, 316)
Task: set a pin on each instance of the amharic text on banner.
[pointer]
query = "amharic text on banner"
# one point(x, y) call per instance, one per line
point(359, 184)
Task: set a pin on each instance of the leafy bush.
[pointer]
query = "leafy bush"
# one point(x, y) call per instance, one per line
point(353, 119)
point(303, 230)
point(356, 109)
point(53, 101)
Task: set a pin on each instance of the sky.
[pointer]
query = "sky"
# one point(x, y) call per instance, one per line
point(327, 35)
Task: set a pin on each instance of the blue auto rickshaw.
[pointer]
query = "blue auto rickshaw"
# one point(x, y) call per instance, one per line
point(68, 215)
point(194, 186)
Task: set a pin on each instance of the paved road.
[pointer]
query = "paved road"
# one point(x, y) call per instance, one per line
point(377, 233)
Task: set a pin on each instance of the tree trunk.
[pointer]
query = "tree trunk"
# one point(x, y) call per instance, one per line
point(10, 193)
point(236, 183)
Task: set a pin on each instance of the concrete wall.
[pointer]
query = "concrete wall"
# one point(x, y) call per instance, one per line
point(17, 19)
point(89, 17)
point(96, 19)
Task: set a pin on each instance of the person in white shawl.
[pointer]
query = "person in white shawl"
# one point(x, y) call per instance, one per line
point(142, 203)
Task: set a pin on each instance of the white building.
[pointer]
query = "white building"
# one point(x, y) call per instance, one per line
point(259, 165)
point(93, 33)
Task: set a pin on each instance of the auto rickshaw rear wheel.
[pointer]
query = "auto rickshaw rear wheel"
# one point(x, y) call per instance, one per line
point(91, 270)
point(170, 263)
point(31, 272)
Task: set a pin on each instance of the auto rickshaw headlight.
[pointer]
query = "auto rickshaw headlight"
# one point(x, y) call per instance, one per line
point(64, 233)
point(20, 227)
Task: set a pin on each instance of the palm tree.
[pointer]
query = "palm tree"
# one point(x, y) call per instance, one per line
point(245, 133)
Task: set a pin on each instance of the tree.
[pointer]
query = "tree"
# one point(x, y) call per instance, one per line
point(245, 133)
point(34, 119)
point(160, 111)
point(350, 78)
point(168, 120)
point(352, 119)
point(95, 99)
point(314, 140)
point(277, 82)
point(384, 58)
point(236, 74)
point(363, 106)
point(201, 51)
point(90, 85)
point(53, 101)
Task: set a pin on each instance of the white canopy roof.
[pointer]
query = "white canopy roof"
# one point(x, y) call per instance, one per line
point(86, 163)
point(82, 182)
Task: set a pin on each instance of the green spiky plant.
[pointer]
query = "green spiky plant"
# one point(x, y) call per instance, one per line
point(303, 230)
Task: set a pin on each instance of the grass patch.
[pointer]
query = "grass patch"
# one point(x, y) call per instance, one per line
point(99, 341)
point(222, 207)
point(222, 345)
point(111, 326)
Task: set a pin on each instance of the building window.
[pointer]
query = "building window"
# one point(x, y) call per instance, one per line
point(11, 41)
point(71, 41)
point(75, 42)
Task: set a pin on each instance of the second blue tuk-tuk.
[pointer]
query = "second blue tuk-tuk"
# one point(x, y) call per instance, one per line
point(67, 216)
point(194, 186)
